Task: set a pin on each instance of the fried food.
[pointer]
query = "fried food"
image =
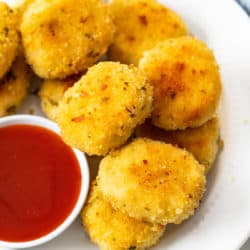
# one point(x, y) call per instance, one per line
point(14, 87)
point(140, 25)
point(51, 93)
point(21, 6)
point(203, 142)
point(101, 110)
point(112, 229)
point(186, 80)
point(9, 37)
point(62, 38)
point(152, 181)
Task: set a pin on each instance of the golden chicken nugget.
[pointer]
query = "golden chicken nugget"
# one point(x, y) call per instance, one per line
point(186, 80)
point(112, 229)
point(14, 87)
point(62, 38)
point(9, 37)
point(152, 181)
point(21, 6)
point(101, 110)
point(203, 142)
point(140, 25)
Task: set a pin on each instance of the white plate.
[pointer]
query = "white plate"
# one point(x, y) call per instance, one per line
point(223, 220)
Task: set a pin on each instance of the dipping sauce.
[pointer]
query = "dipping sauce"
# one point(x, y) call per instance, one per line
point(40, 182)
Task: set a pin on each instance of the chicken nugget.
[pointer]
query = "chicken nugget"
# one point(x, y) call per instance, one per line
point(152, 181)
point(14, 87)
point(203, 142)
point(112, 229)
point(101, 110)
point(9, 37)
point(62, 38)
point(51, 93)
point(186, 80)
point(140, 25)
point(21, 6)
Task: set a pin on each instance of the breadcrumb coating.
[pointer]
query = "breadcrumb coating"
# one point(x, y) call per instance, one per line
point(140, 25)
point(186, 80)
point(101, 110)
point(152, 181)
point(9, 37)
point(112, 229)
point(14, 87)
point(203, 142)
point(51, 93)
point(62, 38)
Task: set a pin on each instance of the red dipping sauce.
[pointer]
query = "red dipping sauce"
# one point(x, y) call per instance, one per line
point(40, 182)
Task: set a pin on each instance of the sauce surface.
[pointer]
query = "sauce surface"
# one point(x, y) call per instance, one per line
point(40, 182)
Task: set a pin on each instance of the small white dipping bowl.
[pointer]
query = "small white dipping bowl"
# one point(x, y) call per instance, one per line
point(45, 123)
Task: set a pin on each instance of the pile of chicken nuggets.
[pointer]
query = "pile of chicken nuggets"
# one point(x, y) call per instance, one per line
point(125, 81)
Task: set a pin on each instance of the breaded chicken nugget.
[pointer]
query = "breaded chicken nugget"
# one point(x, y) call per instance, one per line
point(21, 6)
point(186, 80)
point(203, 142)
point(152, 181)
point(112, 229)
point(140, 25)
point(51, 93)
point(14, 87)
point(62, 38)
point(9, 38)
point(101, 110)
